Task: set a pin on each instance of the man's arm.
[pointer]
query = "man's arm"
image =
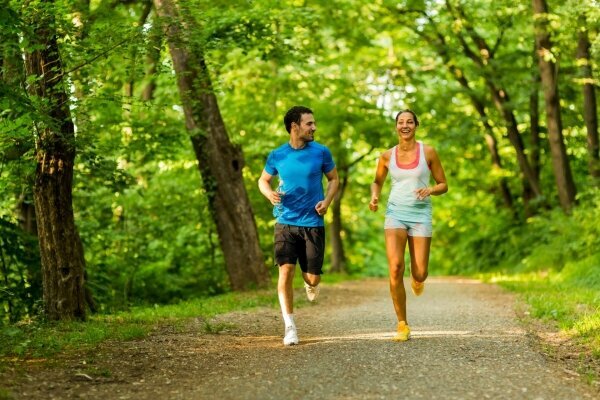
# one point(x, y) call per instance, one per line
point(333, 182)
point(264, 185)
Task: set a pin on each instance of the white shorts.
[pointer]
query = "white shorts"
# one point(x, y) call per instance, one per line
point(418, 229)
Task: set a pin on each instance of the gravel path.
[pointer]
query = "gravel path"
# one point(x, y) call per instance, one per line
point(466, 344)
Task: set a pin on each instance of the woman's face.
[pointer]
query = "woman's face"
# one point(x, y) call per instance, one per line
point(406, 126)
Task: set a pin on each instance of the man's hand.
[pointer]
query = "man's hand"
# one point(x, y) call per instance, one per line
point(321, 207)
point(274, 197)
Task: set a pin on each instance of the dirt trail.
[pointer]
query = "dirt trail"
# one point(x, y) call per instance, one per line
point(466, 344)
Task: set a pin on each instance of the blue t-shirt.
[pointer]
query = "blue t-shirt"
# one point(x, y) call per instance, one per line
point(301, 171)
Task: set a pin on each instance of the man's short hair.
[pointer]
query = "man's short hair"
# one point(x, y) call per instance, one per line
point(294, 114)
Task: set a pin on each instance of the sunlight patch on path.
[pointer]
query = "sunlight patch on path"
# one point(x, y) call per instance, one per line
point(275, 341)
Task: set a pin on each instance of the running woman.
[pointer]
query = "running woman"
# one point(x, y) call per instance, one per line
point(408, 213)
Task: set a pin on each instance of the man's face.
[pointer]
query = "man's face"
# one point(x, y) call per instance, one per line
point(307, 127)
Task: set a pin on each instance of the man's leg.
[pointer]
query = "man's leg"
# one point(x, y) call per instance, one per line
point(312, 262)
point(311, 279)
point(285, 292)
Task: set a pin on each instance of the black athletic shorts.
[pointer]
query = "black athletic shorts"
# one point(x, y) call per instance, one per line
point(305, 245)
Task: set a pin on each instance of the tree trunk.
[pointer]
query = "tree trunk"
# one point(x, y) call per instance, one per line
point(534, 126)
point(535, 140)
point(152, 61)
point(589, 98)
point(492, 145)
point(502, 102)
point(548, 74)
point(61, 250)
point(338, 255)
point(219, 160)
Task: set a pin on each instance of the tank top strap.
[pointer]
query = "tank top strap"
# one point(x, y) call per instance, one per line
point(393, 158)
point(422, 159)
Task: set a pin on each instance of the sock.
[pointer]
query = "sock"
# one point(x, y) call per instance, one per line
point(288, 319)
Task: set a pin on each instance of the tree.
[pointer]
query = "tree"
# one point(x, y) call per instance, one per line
point(534, 133)
point(338, 254)
point(220, 162)
point(442, 49)
point(549, 77)
point(500, 95)
point(589, 98)
point(61, 250)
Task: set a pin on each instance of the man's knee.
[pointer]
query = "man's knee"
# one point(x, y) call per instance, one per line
point(312, 279)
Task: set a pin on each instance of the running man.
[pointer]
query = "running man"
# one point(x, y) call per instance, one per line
point(299, 207)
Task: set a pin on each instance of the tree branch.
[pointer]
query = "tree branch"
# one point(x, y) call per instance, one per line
point(83, 64)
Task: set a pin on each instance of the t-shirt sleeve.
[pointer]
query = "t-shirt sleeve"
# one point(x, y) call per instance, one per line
point(270, 165)
point(328, 163)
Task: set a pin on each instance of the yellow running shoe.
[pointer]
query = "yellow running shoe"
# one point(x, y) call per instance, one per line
point(417, 287)
point(403, 332)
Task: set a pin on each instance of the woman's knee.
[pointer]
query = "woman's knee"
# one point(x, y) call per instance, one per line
point(396, 271)
point(420, 276)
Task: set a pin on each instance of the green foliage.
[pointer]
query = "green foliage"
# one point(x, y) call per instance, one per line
point(138, 198)
point(547, 241)
point(569, 298)
point(6, 395)
point(39, 339)
point(157, 254)
point(20, 277)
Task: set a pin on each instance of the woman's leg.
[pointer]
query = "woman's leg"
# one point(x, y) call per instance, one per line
point(395, 244)
point(419, 257)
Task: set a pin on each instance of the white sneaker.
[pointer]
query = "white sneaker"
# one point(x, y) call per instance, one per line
point(311, 291)
point(291, 336)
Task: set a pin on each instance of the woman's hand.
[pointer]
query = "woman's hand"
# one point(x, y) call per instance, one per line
point(422, 193)
point(373, 205)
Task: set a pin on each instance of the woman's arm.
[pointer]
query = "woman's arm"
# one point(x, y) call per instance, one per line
point(380, 175)
point(437, 171)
